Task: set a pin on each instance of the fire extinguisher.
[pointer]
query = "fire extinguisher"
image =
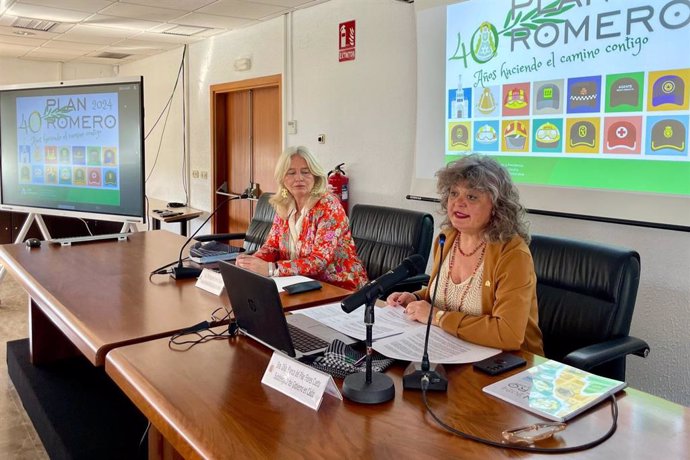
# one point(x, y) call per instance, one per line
point(338, 185)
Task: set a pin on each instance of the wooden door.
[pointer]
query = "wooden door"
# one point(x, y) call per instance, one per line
point(246, 140)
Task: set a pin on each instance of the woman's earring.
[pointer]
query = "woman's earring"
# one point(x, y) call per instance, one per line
point(283, 192)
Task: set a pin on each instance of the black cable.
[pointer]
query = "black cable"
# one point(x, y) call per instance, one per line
point(203, 332)
point(184, 51)
point(167, 106)
point(162, 270)
point(541, 450)
point(185, 185)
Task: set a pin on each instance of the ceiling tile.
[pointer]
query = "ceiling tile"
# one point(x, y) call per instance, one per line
point(187, 5)
point(89, 6)
point(242, 9)
point(208, 20)
point(55, 52)
point(141, 43)
point(98, 35)
point(291, 3)
point(44, 12)
point(62, 44)
point(21, 40)
point(120, 23)
point(15, 50)
point(128, 10)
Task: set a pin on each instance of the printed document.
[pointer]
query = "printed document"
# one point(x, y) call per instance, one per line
point(397, 337)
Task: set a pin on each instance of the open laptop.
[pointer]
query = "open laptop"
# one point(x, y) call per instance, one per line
point(259, 313)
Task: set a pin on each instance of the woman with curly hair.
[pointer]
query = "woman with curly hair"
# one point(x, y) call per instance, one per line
point(486, 284)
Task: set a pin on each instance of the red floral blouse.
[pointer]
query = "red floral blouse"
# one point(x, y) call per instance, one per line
point(326, 250)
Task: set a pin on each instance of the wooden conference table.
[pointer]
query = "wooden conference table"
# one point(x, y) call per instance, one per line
point(209, 402)
point(90, 298)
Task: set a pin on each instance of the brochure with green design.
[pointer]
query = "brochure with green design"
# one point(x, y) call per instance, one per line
point(554, 390)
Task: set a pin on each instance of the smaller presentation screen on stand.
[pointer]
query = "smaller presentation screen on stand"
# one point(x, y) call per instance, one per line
point(74, 148)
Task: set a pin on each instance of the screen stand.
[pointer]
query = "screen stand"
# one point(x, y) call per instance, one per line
point(30, 218)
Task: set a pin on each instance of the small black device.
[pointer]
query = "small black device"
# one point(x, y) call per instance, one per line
point(304, 286)
point(499, 364)
point(170, 214)
point(33, 243)
point(175, 204)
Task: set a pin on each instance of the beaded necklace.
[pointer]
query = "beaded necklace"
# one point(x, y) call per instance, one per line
point(467, 286)
point(473, 251)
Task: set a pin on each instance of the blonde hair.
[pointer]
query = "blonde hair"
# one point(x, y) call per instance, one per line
point(320, 177)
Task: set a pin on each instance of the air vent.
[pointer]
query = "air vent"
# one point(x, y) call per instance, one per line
point(34, 24)
point(108, 55)
point(185, 31)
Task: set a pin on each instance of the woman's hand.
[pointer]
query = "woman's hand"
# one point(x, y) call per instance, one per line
point(252, 263)
point(418, 311)
point(400, 299)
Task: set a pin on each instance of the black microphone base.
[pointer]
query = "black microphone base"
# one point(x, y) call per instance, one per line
point(380, 390)
point(181, 273)
point(412, 378)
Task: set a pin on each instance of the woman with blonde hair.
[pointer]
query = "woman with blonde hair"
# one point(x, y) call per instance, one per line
point(310, 235)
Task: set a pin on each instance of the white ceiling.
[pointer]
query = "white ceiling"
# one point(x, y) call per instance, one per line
point(86, 29)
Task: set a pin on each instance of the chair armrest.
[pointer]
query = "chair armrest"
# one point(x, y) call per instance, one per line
point(591, 356)
point(220, 237)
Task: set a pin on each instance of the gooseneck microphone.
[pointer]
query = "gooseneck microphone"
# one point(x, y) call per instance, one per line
point(432, 376)
point(409, 267)
point(181, 272)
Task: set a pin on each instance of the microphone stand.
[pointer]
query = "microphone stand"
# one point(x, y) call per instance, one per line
point(424, 375)
point(369, 387)
point(180, 272)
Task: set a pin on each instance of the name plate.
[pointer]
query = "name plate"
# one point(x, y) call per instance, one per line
point(299, 381)
point(210, 281)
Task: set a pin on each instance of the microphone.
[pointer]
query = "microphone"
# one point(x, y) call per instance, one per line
point(409, 267)
point(180, 272)
point(425, 376)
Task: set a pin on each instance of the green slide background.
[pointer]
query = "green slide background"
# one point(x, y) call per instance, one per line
point(665, 177)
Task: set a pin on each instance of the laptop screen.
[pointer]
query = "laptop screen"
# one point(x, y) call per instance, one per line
point(257, 307)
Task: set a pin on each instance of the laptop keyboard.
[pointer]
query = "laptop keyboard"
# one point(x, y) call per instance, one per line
point(304, 341)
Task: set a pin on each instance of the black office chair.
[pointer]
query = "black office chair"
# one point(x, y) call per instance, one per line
point(386, 236)
point(258, 230)
point(586, 294)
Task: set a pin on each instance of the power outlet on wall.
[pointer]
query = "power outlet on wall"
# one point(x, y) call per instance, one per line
point(292, 127)
point(321, 139)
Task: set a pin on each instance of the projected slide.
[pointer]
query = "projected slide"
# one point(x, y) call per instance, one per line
point(572, 93)
point(70, 143)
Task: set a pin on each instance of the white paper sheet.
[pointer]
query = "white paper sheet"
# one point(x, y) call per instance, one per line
point(397, 337)
point(352, 324)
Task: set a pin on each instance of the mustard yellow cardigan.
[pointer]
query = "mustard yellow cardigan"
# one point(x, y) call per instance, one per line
point(510, 319)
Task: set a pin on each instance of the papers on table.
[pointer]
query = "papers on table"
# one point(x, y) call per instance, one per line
point(353, 324)
point(282, 281)
point(397, 337)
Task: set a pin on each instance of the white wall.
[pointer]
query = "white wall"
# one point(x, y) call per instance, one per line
point(366, 109)
point(16, 71)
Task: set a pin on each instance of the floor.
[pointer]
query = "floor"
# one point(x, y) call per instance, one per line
point(18, 439)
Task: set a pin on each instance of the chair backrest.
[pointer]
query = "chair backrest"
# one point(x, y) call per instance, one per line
point(586, 294)
point(386, 236)
point(260, 225)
